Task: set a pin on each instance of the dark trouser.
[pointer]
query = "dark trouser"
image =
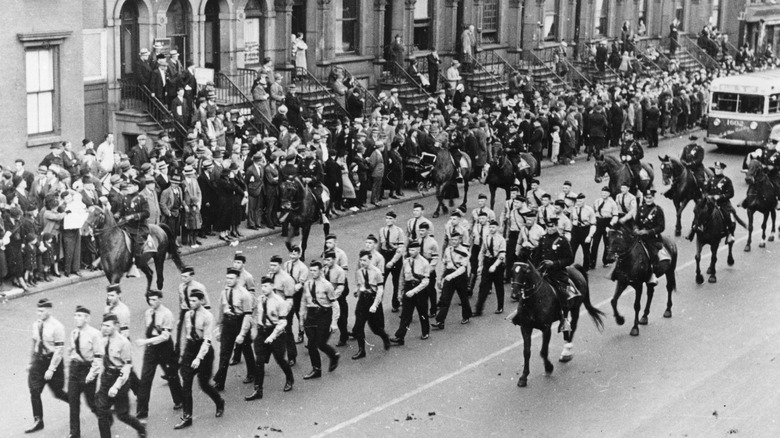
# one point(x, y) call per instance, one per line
point(254, 212)
point(431, 291)
point(161, 355)
point(376, 320)
point(361, 193)
point(231, 327)
point(602, 226)
point(120, 402)
point(578, 236)
point(317, 328)
point(728, 210)
point(343, 315)
point(244, 349)
point(597, 144)
point(652, 137)
point(511, 246)
point(448, 289)
point(418, 301)
point(559, 279)
point(376, 189)
point(272, 205)
point(76, 386)
point(264, 351)
point(289, 337)
point(71, 246)
point(203, 372)
point(89, 251)
point(36, 382)
point(395, 271)
point(174, 223)
point(494, 279)
point(474, 262)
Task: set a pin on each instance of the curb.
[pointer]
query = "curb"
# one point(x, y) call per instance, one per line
point(248, 235)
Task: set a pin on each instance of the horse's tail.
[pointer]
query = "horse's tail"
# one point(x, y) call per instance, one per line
point(671, 275)
point(594, 313)
point(173, 247)
point(739, 220)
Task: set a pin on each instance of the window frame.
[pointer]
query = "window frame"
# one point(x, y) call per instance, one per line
point(491, 35)
point(774, 104)
point(354, 21)
point(737, 100)
point(423, 23)
point(555, 28)
point(601, 21)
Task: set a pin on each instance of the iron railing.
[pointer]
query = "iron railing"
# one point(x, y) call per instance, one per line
point(682, 52)
point(478, 67)
point(137, 97)
point(702, 57)
point(310, 84)
point(535, 61)
point(576, 77)
point(641, 50)
point(401, 75)
point(229, 92)
point(424, 69)
point(493, 62)
point(369, 100)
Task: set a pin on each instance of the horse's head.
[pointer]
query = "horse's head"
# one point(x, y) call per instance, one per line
point(666, 169)
point(702, 210)
point(755, 172)
point(290, 192)
point(620, 239)
point(523, 277)
point(96, 218)
point(602, 169)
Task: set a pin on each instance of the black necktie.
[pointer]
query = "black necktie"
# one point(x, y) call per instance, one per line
point(264, 318)
point(490, 246)
point(365, 280)
point(313, 292)
point(481, 227)
point(40, 338)
point(387, 239)
point(150, 328)
point(187, 295)
point(414, 229)
point(77, 344)
point(193, 330)
point(106, 357)
point(230, 301)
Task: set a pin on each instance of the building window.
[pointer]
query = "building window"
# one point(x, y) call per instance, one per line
point(42, 82)
point(552, 10)
point(715, 15)
point(490, 10)
point(642, 18)
point(347, 26)
point(423, 24)
point(679, 14)
point(602, 18)
point(95, 65)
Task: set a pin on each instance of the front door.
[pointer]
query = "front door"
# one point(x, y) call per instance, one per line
point(178, 29)
point(211, 35)
point(128, 40)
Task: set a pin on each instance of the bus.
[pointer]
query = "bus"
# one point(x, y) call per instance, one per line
point(743, 109)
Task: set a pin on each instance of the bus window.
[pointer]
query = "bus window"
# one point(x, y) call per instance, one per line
point(724, 102)
point(750, 104)
point(774, 104)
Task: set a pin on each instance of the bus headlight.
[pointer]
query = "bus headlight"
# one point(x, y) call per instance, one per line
point(716, 122)
point(753, 125)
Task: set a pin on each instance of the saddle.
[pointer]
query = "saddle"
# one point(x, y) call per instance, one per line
point(522, 164)
point(150, 245)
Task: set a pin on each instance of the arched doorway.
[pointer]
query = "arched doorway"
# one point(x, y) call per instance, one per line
point(178, 28)
point(211, 35)
point(254, 33)
point(129, 37)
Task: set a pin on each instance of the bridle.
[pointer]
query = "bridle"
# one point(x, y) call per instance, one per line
point(526, 286)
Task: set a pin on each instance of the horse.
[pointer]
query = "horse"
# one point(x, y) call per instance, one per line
point(710, 227)
point(443, 176)
point(115, 248)
point(539, 308)
point(633, 269)
point(620, 173)
point(684, 187)
point(760, 197)
point(300, 209)
point(524, 174)
point(499, 173)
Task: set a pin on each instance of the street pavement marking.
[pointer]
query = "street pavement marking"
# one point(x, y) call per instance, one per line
point(471, 366)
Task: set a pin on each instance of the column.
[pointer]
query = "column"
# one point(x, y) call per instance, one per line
point(380, 7)
point(282, 50)
point(325, 48)
point(447, 38)
point(407, 23)
point(514, 23)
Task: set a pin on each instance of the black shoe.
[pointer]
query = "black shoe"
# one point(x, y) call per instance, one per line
point(386, 343)
point(342, 344)
point(433, 314)
point(476, 314)
point(288, 386)
point(235, 362)
point(37, 425)
point(465, 321)
point(359, 355)
point(313, 374)
point(499, 311)
point(437, 325)
point(397, 341)
point(142, 433)
point(142, 415)
point(219, 386)
point(291, 362)
point(178, 406)
point(257, 395)
point(248, 380)
point(220, 408)
point(334, 363)
point(424, 337)
point(395, 309)
point(185, 422)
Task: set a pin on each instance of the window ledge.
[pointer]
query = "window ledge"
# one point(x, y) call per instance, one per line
point(43, 140)
point(346, 58)
point(55, 37)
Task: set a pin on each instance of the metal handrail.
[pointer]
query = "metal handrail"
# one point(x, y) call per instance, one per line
point(535, 60)
point(369, 99)
point(409, 78)
point(481, 67)
point(223, 81)
point(644, 45)
point(306, 74)
point(681, 48)
point(131, 93)
point(492, 57)
point(423, 68)
point(702, 56)
point(573, 68)
point(643, 52)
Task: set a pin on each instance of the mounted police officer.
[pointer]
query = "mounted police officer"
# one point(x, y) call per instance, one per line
point(631, 153)
point(692, 157)
point(551, 257)
point(312, 174)
point(770, 159)
point(721, 189)
point(649, 225)
point(135, 212)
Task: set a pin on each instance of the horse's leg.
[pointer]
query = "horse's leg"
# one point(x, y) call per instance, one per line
point(697, 257)
point(670, 285)
point(771, 237)
point(492, 189)
point(648, 303)
point(713, 260)
point(305, 229)
point(465, 193)
point(730, 259)
point(288, 237)
point(523, 381)
point(637, 307)
point(679, 207)
point(750, 213)
point(159, 267)
point(143, 265)
point(763, 230)
point(568, 337)
point(619, 288)
point(439, 203)
point(546, 335)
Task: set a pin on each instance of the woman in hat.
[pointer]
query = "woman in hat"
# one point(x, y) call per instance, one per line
point(226, 189)
point(238, 200)
point(14, 239)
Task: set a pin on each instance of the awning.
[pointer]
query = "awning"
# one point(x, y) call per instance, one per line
point(769, 13)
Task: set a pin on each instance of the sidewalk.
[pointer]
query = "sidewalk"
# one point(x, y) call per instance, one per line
point(212, 243)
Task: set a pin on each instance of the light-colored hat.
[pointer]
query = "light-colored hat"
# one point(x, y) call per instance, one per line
point(174, 52)
point(282, 109)
point(144, 51)
point(158, 45)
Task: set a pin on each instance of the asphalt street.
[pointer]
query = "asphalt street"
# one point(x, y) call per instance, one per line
point(711, 370)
